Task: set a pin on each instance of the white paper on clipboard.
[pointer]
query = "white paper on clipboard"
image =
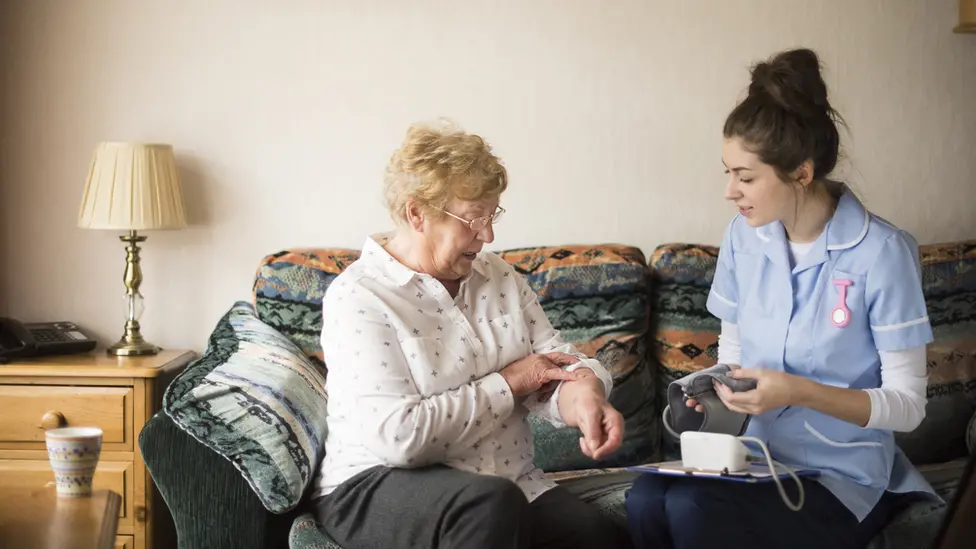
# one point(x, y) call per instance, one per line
point(757, 472)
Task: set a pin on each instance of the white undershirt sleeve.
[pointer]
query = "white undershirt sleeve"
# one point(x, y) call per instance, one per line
point(729, 350)
point(898, 405)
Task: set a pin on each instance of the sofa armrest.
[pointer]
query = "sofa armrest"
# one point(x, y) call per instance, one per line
point(211, 504)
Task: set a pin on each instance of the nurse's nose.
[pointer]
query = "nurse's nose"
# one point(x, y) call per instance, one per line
point(732, 189)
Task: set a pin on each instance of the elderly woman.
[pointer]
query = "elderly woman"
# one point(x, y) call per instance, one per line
point(437, 352)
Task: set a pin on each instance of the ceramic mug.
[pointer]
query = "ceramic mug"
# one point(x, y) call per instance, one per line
point(73, 453)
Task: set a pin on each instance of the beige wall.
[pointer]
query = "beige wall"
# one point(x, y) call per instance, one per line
point(284, 113)
point(5, 88)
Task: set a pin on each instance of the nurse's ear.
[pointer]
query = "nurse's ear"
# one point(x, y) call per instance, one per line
point(803, 175)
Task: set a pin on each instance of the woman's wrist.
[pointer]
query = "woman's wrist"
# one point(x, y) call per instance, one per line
point(573, 393)
point(850, 405)
point(804, 392)
point(588, 386)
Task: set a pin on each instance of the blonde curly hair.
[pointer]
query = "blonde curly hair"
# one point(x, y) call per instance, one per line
point(437, 162)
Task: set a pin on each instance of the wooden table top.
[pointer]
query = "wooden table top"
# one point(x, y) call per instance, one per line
point(38, 519)
point(97, 363)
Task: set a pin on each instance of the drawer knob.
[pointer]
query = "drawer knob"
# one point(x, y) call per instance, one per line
point(52, 420)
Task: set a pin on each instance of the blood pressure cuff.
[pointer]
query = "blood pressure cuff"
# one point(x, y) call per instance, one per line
point(715, 418)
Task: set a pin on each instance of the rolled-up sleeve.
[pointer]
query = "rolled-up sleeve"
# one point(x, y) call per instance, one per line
point(893, 291)
point(546, 339)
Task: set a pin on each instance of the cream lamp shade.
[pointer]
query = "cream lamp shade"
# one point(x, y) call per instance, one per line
point(132, 186)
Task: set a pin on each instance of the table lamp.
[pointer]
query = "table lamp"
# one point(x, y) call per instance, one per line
point(132, 187)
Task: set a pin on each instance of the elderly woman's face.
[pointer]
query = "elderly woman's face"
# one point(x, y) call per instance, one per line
point(452, 244)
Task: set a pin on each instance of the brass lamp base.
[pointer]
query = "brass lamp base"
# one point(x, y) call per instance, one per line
point(132, 343)
point(126, 348)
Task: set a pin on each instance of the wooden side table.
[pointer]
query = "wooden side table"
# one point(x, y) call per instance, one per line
point(39, 519)
point(117, 394)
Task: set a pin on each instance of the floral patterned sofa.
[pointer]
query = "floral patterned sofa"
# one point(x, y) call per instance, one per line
point(238, 440)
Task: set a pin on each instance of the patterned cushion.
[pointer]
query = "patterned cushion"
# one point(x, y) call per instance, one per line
point(686, 335)
point(257, 400)
point(596, 295)
point(305, 534)
point(289, 288)
point(949, 283)
point(686, 339)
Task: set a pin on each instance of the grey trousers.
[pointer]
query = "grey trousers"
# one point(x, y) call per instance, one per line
point(439, 507)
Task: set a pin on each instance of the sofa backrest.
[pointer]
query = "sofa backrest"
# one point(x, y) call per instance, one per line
point(949, 285)
point(597, 296)
point(686, 335)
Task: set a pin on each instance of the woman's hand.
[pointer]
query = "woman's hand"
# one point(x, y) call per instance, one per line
point(600, 423)
point(584, 405)
point(775, 389)
point(527, 375)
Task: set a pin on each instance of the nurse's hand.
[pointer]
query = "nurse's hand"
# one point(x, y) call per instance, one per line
point(775, 389)
point(692, 403)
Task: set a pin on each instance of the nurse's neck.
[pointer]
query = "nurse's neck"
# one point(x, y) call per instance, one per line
point(811, 213)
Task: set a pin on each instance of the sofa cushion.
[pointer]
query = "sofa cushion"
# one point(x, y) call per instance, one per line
point(685, 333)
point(257, 400)
point(289, 288)
point(305, 534)
point(606, 489)
point(949, 284)
point(686, 338)
point(595, 295)
point(603, 488)
point(914, 526)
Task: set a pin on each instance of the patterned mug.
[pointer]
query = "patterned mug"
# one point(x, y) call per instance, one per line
point(73, 453)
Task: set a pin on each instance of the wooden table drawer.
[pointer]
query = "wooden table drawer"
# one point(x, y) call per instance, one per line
point(124, 542)
point(30, 409)
point(109, 475)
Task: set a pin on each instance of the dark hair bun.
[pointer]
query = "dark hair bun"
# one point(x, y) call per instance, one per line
point(786, 118)
point(793, 81)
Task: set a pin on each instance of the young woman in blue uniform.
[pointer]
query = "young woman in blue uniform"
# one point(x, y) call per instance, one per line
point(821, 303)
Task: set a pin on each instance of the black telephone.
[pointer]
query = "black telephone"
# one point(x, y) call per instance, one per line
point(19, 340)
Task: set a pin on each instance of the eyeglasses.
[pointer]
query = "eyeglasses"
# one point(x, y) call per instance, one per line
point(478, 224)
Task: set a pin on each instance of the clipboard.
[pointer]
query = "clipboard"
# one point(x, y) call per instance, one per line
point(757, 472)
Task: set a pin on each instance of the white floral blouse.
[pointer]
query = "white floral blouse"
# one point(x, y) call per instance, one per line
point(413, 373)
